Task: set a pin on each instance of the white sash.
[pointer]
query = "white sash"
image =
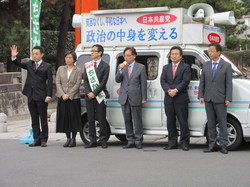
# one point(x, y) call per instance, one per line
point(93, 80)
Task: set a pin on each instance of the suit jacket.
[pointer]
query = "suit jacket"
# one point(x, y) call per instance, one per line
point(69, 86)
point(39, 81)
point(102, 73)
point(217, 89)
point(180, 82)
point(134, 87)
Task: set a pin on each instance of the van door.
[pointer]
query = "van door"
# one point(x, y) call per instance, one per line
point(196, 111)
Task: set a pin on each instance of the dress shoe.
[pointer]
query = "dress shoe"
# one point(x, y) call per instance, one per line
point(104, 145)
point(34, 144)
point(43, 144)
point(129, 145)
point(169, 147)
point(99, 143)
point(223, 150)
point(67, 143)
point(93, 144)
point(138, 146)
point(185, 147)
point(209, 150)
point(72, 142)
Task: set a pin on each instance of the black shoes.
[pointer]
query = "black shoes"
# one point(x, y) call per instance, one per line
point(138, 146)
point(72, 142)
point(43, 144)
point(132, 145)
point(223, 150)
point(169, 147)
point(129, 145)
point(67, 143)
point(91, 145)
point(34, 144)
point(185, 147)
point(209, 150)
point(104, 145)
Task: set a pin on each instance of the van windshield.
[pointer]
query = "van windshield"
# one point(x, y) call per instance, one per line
point(237, 72)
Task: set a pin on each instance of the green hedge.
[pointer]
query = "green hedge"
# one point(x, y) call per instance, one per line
point(49, 40)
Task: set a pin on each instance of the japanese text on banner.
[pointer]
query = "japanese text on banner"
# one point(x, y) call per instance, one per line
point(35, 25)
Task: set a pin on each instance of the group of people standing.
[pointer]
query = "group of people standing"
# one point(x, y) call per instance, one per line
point(215, 90)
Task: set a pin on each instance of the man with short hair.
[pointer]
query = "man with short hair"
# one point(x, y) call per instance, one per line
point(175, 79)
point(38, 89)
point(215, 90)
point(133, 94)
point(96, 110)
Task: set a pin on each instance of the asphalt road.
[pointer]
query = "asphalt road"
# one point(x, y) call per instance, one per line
point(152, 166)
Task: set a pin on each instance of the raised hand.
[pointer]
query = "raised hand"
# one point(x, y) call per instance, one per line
point(14, 51)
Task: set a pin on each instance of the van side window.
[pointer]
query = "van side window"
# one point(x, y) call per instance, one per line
point(195, 66)
point(151, 63)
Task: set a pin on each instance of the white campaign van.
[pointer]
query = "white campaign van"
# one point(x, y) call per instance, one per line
point(153, 31)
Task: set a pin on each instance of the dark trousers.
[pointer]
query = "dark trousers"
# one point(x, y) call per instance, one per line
point(38, 110)
point(217, 113)
point(133, 119)
point(179, 110)
point(96, 111)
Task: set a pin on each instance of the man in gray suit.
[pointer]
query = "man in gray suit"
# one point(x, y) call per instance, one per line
point(215, 90)
point(133, 93)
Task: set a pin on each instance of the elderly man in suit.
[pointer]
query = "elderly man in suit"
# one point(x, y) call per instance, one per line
point(96, 110)
point(133, 94)
point(38, 89)
point(215, 90)
point(175, 78)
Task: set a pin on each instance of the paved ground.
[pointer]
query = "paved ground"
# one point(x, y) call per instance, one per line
point(18, 128)
point(57, 166)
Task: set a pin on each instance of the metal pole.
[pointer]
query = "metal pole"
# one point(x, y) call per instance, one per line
point(30, 29)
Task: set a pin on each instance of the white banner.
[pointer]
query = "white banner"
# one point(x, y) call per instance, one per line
point(93, 80)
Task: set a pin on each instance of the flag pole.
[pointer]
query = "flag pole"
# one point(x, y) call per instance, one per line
point(29, 139)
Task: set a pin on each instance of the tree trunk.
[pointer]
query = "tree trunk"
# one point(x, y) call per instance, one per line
point(63, 32)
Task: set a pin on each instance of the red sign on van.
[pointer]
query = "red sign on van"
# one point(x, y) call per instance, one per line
point(214, 38)
point(156, 19)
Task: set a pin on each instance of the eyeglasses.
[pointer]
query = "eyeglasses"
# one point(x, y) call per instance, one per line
point(212, 51)
point(94, 51)
point(127, 56)
point(69, 57)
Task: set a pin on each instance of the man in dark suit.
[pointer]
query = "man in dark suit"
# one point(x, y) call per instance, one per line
point(38, 89)
point(215, 90)
point(133, 94)
point(96, 110)
point(175, 78)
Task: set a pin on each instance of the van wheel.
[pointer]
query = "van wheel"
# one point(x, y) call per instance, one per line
point(85, 134)
point(235, 136)
point(121, 137)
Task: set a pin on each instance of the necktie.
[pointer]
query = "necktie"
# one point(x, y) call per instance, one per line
point(129, 70)
point(174, 70)
point(37, 65)
point(214, 68)
point(95, 65)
